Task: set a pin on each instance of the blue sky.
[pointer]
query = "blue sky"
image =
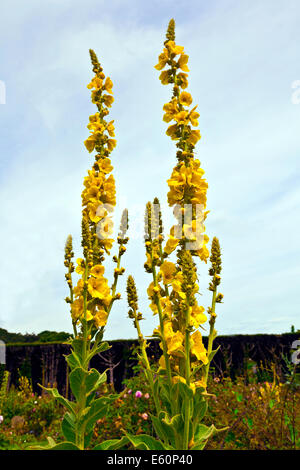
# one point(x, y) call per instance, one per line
point(244, 58)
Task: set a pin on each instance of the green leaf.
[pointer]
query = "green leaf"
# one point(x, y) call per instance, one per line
point(73, 360)
point(94, 380)
point(203, 432)
point(68, 427)
point(212, 354)
point(77, 381)
point(145, 442)
point(68, 404)
point(96, 349)
point(83, 381)
point(159, 429)
point(200, 407)
point(172, 426)
point(51, 443)
point(64, 446)
point(112, 444)
point(185, 390)
point(164, 394)
point(77, 346)
point(53, 446)
point(97, 410)
point(199, 446)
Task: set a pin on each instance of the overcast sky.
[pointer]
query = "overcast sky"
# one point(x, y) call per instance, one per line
point(244, 61)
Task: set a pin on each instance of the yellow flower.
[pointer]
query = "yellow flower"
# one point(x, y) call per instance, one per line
point(183, 60)
point(111, 128)
point(107, 244)
point(97, 270)
point(197, 347)
point(162, 60)
point(194, 137)
point(90, 142)
point(182, 79)
point(77, 290)
point(96, 83)
point(89, 316)
point(175, 344)
point(108, 100)
point(108, 195)
point(105, 228)
point(166, 306)
point(165, 77)
point(105, 165)
point(150, 290)
point(193, 117)
point(203, 254)
point(172, 131)
point(171, 110)
point(98, 287)
point(80, 266)
point(77, 308)
point(178, 378)
point(108, 85)
point(181, 117)
point(100, 318)
point(173, 49)
point(92, 194)
point(168, 271)
point(93, 211)
point(95, 125)
point(111, 143)
point(162, 362)
point(197, 315)
point(177, 285)
point(185, 98)
point(198, 383)
point(171, 245)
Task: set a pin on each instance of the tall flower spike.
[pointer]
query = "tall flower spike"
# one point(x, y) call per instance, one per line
point(132, 296)
point(156, 204)
point(99, 194)
point(216, 264)
point(186, 185)
point(124, 224)
point(170, 35)
point(69, 254)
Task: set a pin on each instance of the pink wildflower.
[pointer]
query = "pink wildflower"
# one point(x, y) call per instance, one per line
point(138, 394)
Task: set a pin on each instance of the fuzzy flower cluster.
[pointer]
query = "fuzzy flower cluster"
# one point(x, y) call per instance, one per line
point(91, 299)
point(173, 291)
point(186, 185)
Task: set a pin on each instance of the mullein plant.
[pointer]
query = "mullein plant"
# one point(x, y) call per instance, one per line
point(92, 298)
point(179, 383)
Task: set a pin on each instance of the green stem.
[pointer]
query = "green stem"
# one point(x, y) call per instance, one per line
point(114, 285)
point(148, 371)
point(160, 314)
point(84, 343)
point(188, 380)
point(211, 331)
